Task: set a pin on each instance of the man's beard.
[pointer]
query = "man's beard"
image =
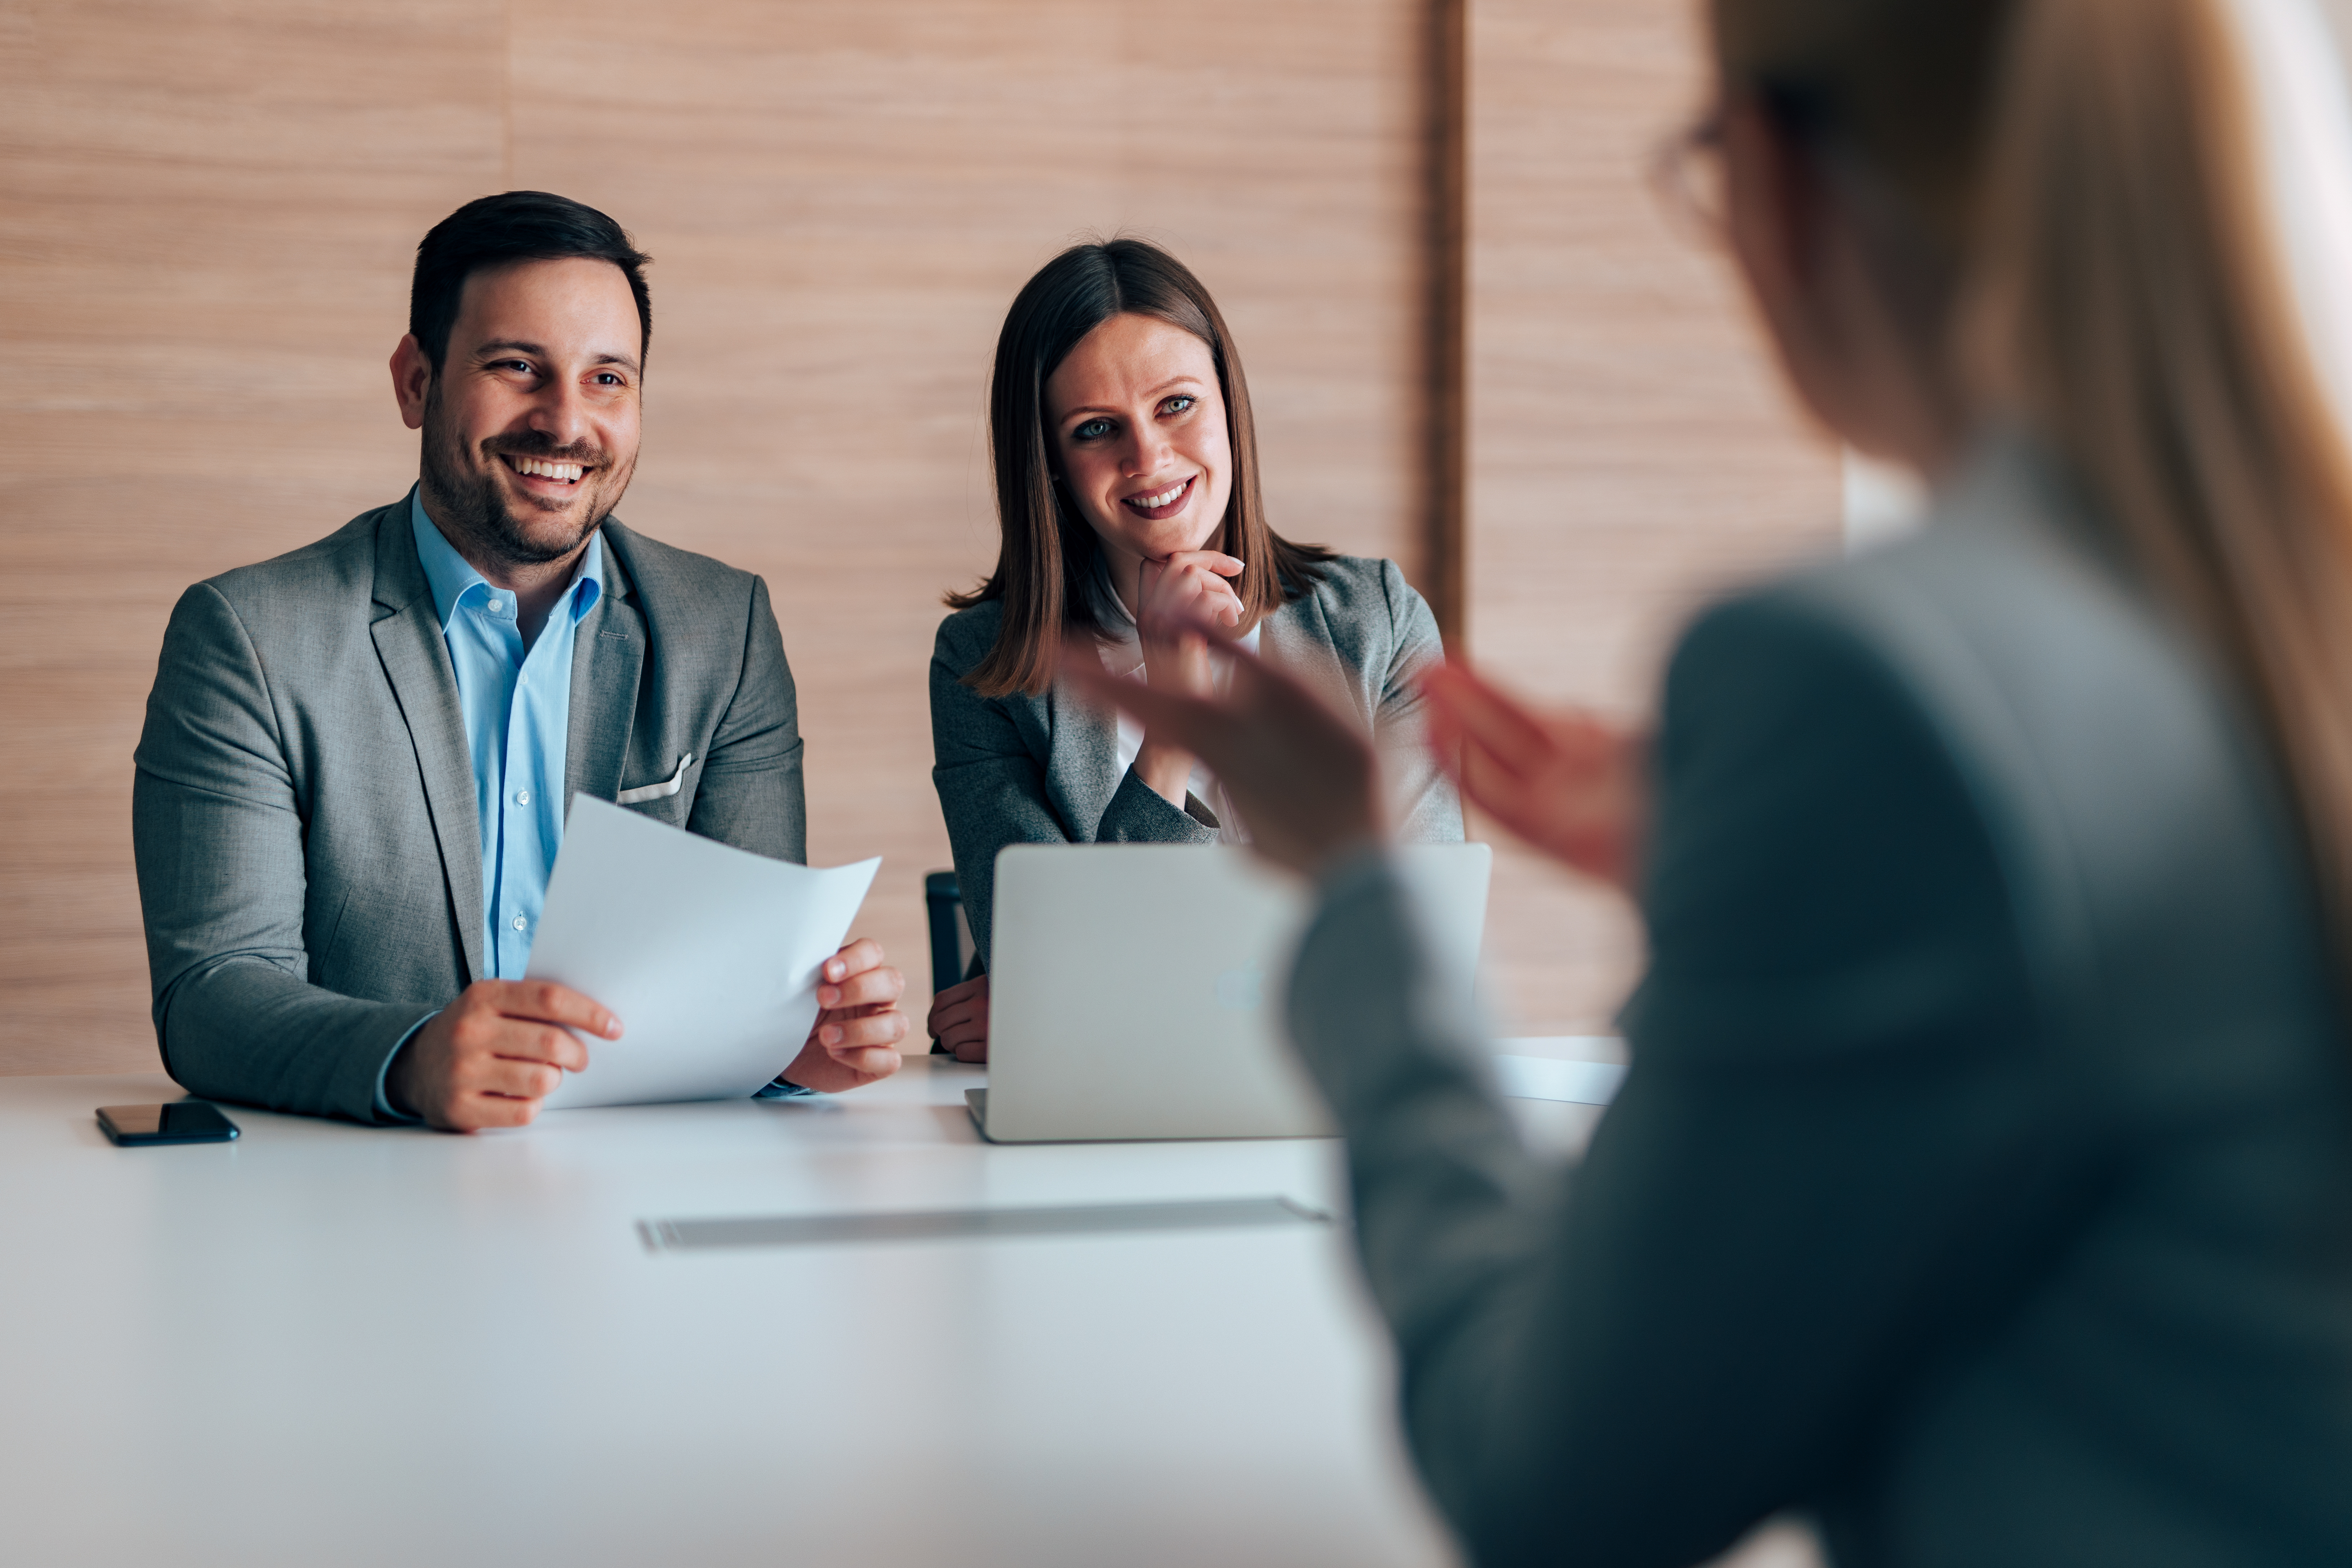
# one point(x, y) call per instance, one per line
point(475, 504)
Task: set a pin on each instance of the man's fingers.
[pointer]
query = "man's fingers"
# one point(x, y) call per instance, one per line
point(877, 1062)
point(854, 1031)
point(482, 1112)
point(864, 989)
point(517, 1041)
point(854, 957)
point(515, 1079)
point(548, 1003)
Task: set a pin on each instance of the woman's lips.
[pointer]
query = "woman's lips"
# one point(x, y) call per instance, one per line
point(1171, 500)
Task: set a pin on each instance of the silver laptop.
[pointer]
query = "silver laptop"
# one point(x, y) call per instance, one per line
point(1135, 989)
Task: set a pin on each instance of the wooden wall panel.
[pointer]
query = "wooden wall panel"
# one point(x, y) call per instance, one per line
point(1631, 449)
point(203, 269)
point(842, 200)
point(210, 214)
point(210, 209)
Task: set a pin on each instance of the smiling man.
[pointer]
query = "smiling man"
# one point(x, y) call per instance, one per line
point(357, 758)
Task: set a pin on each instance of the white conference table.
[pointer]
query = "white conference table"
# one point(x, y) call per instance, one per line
point(330, 1343)
point(325, 1343)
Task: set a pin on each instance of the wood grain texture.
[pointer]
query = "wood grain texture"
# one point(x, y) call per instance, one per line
point(1631, 448)
point(211, 211)
point(869, 185)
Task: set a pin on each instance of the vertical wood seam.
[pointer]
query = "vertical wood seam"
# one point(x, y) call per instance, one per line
point(1445, 538)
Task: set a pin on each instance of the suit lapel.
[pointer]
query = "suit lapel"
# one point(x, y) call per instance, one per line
point(608, 653)
point(416, 662)
point(1082, 770)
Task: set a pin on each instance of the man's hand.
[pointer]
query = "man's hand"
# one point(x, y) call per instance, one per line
point(490, 1056)
point(959, 1019)
point(1571, 784)
point(854, 1041)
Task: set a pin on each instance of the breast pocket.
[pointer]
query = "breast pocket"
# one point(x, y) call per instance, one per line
point(664, 799)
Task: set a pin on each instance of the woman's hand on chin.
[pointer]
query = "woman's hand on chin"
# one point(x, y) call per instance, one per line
point(1174, 596)
point(1570, 782)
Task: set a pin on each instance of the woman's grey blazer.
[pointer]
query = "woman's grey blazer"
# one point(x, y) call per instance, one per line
point(1982, 1184)
point(1044, 770)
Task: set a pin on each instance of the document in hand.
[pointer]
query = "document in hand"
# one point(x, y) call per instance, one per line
point(708, 954)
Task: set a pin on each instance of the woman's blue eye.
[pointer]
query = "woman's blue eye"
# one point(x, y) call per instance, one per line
point(1092, 429)
point(1178, 403)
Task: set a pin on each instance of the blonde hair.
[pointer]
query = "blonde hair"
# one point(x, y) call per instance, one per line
point(2093, 169)
point(2134, 304)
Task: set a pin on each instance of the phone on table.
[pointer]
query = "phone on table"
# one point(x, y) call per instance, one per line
point(188, 1122)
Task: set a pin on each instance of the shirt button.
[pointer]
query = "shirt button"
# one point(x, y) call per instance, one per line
point(520, 922)
point(496, 605)
point(522, 797)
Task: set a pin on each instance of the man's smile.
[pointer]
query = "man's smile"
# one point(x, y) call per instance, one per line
point(547, 471)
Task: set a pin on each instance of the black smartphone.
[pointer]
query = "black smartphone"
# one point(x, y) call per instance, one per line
point(189, 1121)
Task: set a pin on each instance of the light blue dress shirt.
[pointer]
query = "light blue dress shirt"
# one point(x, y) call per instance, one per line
point(518, 712)
point(517, 705)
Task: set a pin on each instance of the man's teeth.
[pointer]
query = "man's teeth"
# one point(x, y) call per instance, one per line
point(1153, 503)
point(545, 469)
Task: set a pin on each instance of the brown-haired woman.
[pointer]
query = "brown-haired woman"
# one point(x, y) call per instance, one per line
point(1982, 1184)
point(1127, 489)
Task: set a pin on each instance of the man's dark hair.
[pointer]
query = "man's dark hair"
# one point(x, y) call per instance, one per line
point(520, 226)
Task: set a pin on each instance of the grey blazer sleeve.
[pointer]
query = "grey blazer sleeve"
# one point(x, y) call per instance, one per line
point(218, 833)
point(1832, 1155)
point(1422, 806)
point(750, 793)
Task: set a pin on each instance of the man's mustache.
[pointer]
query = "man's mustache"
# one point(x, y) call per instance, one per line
point(586, 454)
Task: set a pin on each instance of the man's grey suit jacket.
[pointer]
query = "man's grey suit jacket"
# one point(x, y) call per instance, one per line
point(309, 848)
point(1982, 1184)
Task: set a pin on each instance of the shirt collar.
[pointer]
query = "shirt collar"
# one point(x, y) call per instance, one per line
point(453, 580)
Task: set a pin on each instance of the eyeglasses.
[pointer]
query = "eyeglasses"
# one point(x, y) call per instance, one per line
point(1688, 180)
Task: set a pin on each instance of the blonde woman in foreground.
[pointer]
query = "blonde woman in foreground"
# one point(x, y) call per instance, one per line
point(1983, 1181)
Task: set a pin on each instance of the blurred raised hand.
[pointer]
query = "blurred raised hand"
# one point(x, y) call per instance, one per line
point(1569, 782)
point(1303, 776)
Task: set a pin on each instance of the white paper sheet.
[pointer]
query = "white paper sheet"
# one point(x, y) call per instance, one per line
point(710, 955)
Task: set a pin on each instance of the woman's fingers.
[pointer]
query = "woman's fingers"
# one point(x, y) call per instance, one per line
point(946, 1018)
point(1214, 561)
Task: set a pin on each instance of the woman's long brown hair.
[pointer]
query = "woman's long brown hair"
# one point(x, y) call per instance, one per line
point(1047, 550)
point(2095, 164)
